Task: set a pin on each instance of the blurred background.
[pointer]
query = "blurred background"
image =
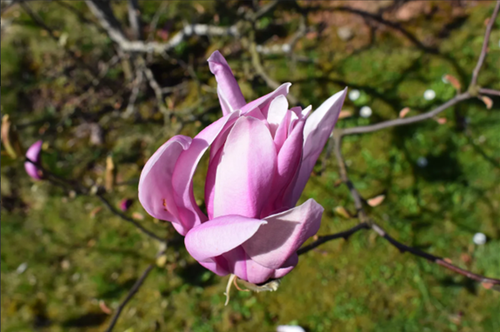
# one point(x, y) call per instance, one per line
point(102, 105)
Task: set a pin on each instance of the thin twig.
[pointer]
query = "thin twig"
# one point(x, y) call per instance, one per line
point(82, 190)
point(435, 259)
point(130, 294)
point(484, 49)
point(134, 16)
point(259, 69)
point(406, 121)
point(490, 92)
point(325, 238)
point(130, 220)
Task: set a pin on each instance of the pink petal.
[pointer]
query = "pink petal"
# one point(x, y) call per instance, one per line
point(217, 265)
point(245, 172)
point(229, 92)
point(264, 101)
point(182, 178)
point(318, 128)
point(244, 268)
point(33, 154)
point(210, 182)
point(276, 113)
point(284, 233)
point(282, 130)
point(288, 266)
point(220, 235)
point(155, 183)
point(288, 163)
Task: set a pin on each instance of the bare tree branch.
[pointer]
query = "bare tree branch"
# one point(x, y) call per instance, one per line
point(129, 296)
point(82, 190)
point(134, 16)
point(435, 259)
point(108, 21)
point(325, 238)
point(405, 121)
point(484, 49)
point(490, 92)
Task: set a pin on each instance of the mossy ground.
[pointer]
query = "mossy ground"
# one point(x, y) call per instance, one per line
point(76, 257)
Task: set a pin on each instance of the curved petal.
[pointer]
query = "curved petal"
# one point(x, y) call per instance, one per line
point(229, 92)
point(33, 154)
point(284, 233)
point(288, 164)
point(265, 100)
point(182, 178)
point(288, 266)
point(217, 265)
point(210, 182)
point(245, 172)
point(244, 268)
point(277, 112)
point(155, 183)
point(318, 128)
point(282, 131)
point(220, 235)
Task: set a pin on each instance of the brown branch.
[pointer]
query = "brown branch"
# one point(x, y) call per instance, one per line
point(435, 259)
point(490, 92)
point(134, 17)
point(484, 49)
point(406, 121)
point(325, 238)
point(82, 190)
point(259, 69)
point(365, 222)
point(130, 294)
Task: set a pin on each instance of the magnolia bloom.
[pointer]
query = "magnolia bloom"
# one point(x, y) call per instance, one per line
point(261, 156)
point(33, 154)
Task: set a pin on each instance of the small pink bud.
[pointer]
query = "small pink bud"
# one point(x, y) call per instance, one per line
point(125, 204)
point(33, 160)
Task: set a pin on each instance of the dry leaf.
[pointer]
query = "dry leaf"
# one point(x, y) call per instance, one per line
point(110, 176)
point(487, 285)
point(344, 114)
point(403, 112)
point(453, 81)
point(441, 121)
point(340, 210)
point(466, 258)
point(161, 260)
point(487, 101)
point(95, 211)
point(447, 260)
point(104, 308)
point(137, 216)
point(375, 201)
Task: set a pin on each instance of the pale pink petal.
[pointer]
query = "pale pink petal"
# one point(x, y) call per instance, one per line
point(182, 178)
point(210, 182)
point(220, 235)
point(244, 268)
point(319, 126)
point(217, 265)
point(231, 98)
point(264, 101)
point(276, 113)
point(284, 233)
point(155, 184)
point(245, 172)
point(282, 131)
point(288, 266)
point(288, 163)
point(33, 154)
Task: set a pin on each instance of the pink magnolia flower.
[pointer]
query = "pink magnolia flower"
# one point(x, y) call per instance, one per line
point(33, 154)
point(261, 156)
